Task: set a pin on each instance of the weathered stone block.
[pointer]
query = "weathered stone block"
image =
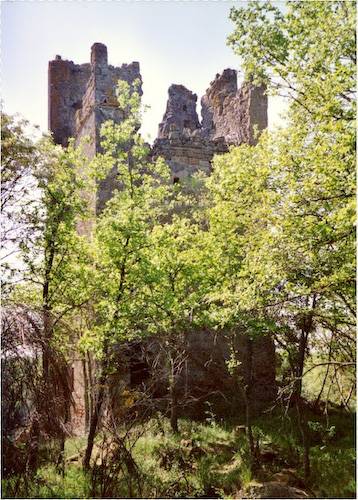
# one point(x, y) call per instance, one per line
point(180, 116)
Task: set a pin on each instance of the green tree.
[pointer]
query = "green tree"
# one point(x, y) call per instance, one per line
point(43, 192)
point(52, 251)
point(18, 163)
point(54, 258)
point(307, 54)
point(176, 293)
point(288, 204)
point(120, 239)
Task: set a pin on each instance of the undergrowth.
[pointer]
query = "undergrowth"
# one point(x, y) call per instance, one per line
point(207, 459)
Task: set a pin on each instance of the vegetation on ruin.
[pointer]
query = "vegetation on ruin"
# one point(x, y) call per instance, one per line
point(265, 245)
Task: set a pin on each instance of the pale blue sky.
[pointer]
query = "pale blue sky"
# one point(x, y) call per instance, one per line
point(181, 42)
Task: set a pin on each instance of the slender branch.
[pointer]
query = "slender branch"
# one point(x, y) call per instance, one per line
point(341, 364)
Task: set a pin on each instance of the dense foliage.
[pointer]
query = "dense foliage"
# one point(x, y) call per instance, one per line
point(299, 234)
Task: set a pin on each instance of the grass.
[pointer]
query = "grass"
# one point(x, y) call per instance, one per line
point(202, 459)
point(48, 483)
point(332, 453)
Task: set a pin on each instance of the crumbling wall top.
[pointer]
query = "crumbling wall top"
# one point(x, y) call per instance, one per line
point(99, 55)
point(212, 103)
point(181, 112)
point(76, 91)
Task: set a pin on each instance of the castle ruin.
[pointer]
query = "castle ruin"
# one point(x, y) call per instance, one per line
point(81, 98)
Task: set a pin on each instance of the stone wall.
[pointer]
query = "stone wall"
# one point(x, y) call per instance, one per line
point(77, 91)
point(203, 372)
point(100, 100)
point(232, 113)
point(67, 85)
point(229, 117)
point(83, 97)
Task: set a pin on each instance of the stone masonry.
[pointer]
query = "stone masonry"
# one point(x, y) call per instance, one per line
point(229, 117)
point(81, 98)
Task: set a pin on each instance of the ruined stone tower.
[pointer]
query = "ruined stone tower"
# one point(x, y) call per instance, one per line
point(81, 98)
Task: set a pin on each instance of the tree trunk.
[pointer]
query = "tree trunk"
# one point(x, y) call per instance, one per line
point(91, 384)
point(302, 424)
point(174, 409)
point(86, 393)
point(61, 455)
point(95, 416)
point(46, 340)
point(301, 412)
point(246, 390)
point(318, 398)
point(173, 393)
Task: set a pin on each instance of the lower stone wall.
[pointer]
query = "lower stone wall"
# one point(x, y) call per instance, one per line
point(202, 373)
